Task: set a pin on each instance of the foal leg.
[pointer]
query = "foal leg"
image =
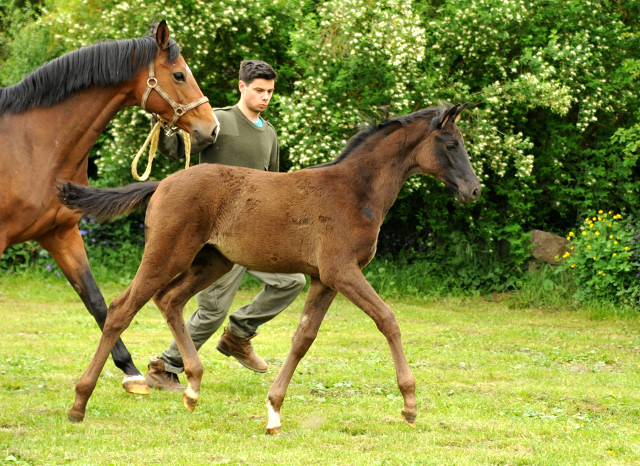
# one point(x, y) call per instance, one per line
point(315, 308)
point(121, 313)
point(206, 268)
point(67, 249)
point(351, 283)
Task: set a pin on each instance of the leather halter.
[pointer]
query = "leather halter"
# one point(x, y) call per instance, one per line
point(178, 109)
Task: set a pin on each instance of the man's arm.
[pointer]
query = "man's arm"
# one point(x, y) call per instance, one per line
point(173, 146)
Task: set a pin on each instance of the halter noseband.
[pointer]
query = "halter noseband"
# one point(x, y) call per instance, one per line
point(178, 109)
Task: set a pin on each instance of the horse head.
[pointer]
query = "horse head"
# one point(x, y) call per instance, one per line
point(177, 100)
point(446, 157)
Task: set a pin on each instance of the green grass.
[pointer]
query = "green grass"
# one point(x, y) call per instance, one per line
point(495, 385)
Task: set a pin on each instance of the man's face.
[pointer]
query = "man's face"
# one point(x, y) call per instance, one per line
point(257, 95)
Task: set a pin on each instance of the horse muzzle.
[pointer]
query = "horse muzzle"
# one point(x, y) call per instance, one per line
point(468, 192)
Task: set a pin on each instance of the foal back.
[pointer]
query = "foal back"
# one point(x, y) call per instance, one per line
point(296, 218)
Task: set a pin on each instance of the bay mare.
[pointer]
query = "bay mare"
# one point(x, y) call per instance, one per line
point(322, 221)
point(48, 123)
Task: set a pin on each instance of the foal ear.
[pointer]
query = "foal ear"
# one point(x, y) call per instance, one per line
point(449, 115)
point(452, 115)
point(162, 35)
point(459, 111)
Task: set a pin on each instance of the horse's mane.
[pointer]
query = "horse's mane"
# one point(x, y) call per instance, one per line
point(373, 129)
point(101, 64)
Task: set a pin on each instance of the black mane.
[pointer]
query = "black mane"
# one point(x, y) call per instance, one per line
point(101, 64)
point(373, 129)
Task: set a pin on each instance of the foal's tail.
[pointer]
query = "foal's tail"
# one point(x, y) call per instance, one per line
point(106, 203)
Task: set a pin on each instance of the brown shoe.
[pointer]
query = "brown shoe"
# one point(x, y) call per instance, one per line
point(241, 349)
point(160, 379)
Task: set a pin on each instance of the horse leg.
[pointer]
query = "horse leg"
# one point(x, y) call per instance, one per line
point(120, 314)
point(315, 308)
point(351, 283)
point(67, 249)
point(207, 267)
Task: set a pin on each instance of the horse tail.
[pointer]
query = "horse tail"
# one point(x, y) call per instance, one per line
point(106, 203)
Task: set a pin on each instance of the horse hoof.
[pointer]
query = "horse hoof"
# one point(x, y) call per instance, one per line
point(75, 417)
point(135, 384)
point(189, 403)
point(274, 430)
point(190, 399)
point(409, 418)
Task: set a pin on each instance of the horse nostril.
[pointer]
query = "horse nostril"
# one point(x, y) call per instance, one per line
point(476, 193)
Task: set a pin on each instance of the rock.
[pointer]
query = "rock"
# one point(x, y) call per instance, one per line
point(547, 246)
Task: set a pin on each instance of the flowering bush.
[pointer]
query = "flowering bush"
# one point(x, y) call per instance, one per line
point(553, 125)
point(604, 259)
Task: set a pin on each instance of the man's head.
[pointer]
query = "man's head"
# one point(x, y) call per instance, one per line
point(257, 82)
point(254, 69)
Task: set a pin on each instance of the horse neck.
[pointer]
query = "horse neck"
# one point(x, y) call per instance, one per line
point(379, 169)
point(76, 123)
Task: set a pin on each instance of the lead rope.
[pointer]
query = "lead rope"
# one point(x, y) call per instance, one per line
point(153, 137)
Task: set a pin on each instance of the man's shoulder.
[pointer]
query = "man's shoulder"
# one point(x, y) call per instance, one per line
point(224, 112)
point(269, 125)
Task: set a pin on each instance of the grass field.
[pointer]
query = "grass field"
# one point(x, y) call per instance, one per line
point(495, 386)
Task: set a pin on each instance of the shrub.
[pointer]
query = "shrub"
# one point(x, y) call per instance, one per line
point(604, 259)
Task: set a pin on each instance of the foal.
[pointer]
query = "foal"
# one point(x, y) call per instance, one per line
point(322, 221)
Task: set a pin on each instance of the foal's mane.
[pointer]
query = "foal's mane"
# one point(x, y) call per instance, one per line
point(386, 127)
point(101, 64)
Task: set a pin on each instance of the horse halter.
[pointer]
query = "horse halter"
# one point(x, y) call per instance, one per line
point(178, 109)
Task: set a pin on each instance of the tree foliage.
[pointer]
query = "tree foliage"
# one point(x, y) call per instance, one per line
point(553, 125)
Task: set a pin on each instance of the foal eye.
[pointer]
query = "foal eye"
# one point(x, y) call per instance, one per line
point(451, 146)
point(179, 77)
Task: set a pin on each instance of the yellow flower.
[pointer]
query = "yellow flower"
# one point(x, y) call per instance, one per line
point(604, 274)
point(584, 233)
point(597, 233)
point(573, 266)
point(594, 257)
point(610, 236)
point(626, 248)
point(588, 246)
point(566, 254)
point(600, 212)
point(614, 254)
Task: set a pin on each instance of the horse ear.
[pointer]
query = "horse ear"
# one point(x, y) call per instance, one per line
point(459, 111)
point(450, 114)
point(162, 35)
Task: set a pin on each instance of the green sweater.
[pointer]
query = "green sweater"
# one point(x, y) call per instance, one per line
point(240, 143)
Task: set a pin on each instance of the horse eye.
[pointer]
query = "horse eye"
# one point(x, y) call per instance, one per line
point(179, 77)
point(451, 147)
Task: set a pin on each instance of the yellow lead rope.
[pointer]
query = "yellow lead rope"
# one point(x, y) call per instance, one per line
point(153, 137)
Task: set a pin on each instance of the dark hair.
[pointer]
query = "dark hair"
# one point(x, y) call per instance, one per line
point(255, 69)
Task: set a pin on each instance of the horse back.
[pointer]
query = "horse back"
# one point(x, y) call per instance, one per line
point(274, 222)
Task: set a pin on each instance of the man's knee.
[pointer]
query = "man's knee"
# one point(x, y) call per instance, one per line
point(297, 282)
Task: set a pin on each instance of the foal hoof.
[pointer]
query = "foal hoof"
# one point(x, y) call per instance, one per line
point(135, 384)
point(274, 430)
point(75, 417)
point(409, 418)
point(190, 399)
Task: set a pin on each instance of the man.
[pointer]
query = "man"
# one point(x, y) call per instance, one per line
point(247, 140)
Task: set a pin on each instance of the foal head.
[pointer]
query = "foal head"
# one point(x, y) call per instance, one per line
point(442, 154)
point(168, 89)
